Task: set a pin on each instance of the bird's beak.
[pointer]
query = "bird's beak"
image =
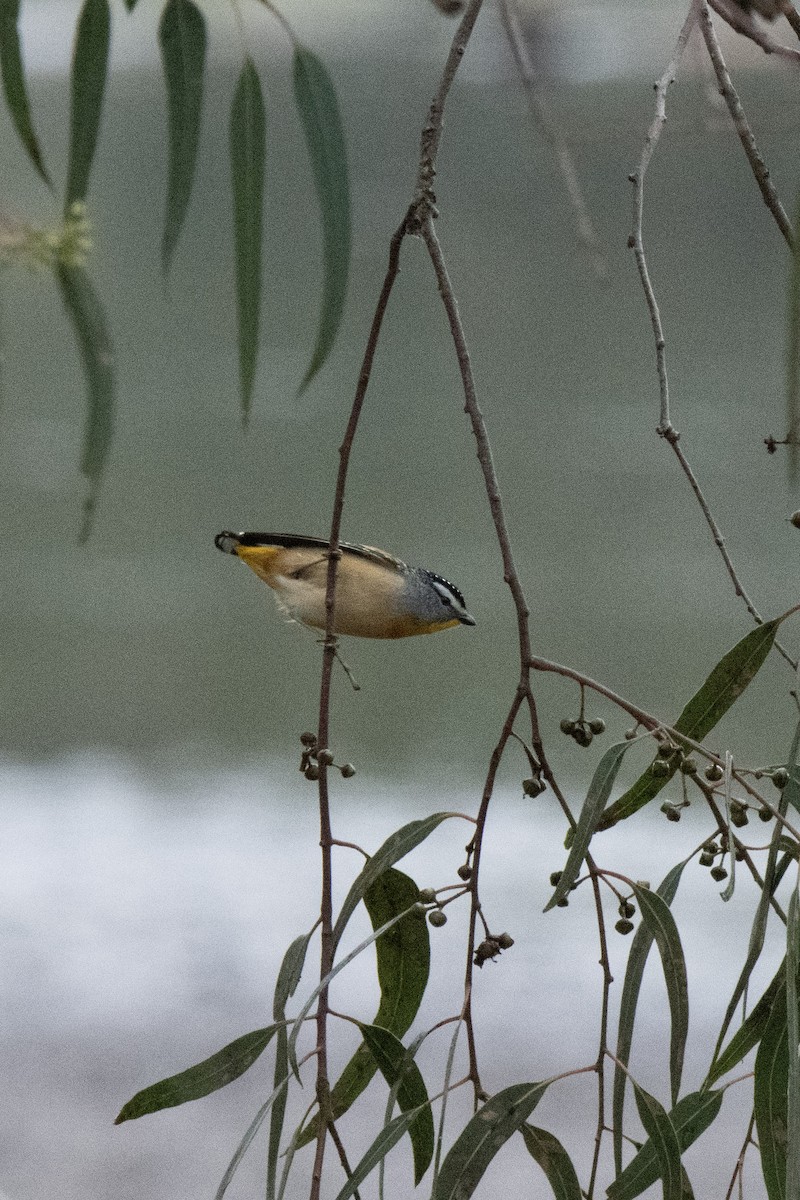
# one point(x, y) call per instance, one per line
point(466, 619)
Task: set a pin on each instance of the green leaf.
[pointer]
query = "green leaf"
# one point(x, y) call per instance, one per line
point(690, 1117)
point(182, 36)
point(403, 961)
point(97, 355)
point(637, 960)
point(723, 687)
point(751, 1031)
point(251, 1132)
point(596, 797)
point(247, 137)
point(664, 1140)
point(87, 85)
point(388, 1137)
point(770, 1090)
point(14, 85)
point(483, 1137)
point(208, 1076)
point(398, 1069)
point(318, 107)
point(285, 987)
point(661, 923)
point(551, 1156)
point(400, 843)
point(793, 1042)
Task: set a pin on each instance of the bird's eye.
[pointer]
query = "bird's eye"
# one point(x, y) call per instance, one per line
point(446, 602)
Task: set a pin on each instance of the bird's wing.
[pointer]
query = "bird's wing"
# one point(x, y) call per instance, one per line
point(299, 541)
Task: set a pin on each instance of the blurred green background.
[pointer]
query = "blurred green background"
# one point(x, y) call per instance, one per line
point(148, 642)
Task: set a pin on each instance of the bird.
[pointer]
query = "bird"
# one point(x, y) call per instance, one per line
point(377, 595)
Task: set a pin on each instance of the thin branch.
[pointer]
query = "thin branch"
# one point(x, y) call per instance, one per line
point(652, 723)
point(698, 11)
point(430, 139)
point(736, 110)
point(545, 122)
point(636, 241)
point(744, 24)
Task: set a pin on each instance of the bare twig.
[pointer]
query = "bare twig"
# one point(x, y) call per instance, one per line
point(551, 133)
point(636, 241)
point(423, 203)
point(736, 110)
point(665, 428)
point(743, 23)
point(323, 732)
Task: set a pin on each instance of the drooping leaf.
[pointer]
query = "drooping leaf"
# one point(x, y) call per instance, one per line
point(318, 108)
point(793, 1046)
point(751, 1031)
point(401, 1071)
point(661, 923)
point(396, 846)
point(247, 137)
point(551, 1156)
point(483, 1137)
point(288, 978)
point(663, 1137)
point(596, 798)
point(252, 1129)
point(200, 1080)
point(403, 962)
point(723, 688)
point(690, 1117)
point(772, 877)
point(182, 37)
point(87, 85)
point(770, 1090)
point(388, 1137)
point(325, 983)
point(97, 355)
point(637, 960)
point(14, 85)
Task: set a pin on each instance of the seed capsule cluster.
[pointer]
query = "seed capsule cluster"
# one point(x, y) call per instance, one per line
point(314, 756)
point(582, 731)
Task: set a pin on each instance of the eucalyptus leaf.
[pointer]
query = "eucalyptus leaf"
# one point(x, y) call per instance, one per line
point(637, 960)
point(483, 1137)
point(403, 963)
point(661, 923)
point(388, 1137)
point(770, 1091)
point(793, 1044)
point(396, 846)
point(247, 139)
point(706, 708)
point(664, 1140)
point(596, 798)
point(97, 356)
point(182, 38)
point(200, 1080)
point(285, 987)
point(87, 86)
point(15, 87)
point(400, 1071)
point(318, 107)
point(751, 1031)
point(551, 1156)
point(690, 1117)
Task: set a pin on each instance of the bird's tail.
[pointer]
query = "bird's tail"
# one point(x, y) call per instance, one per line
point(227, 542)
